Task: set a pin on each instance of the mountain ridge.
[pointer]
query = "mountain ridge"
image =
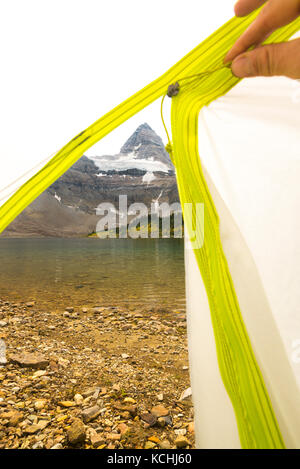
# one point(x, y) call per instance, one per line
point(142, 170)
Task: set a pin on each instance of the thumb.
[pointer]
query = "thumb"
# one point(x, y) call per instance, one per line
point(269, 60)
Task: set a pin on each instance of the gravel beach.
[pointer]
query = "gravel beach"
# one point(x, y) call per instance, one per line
point(93, 378)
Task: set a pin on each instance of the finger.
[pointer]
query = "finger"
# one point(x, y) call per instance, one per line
point(244, 7)
point(270, 60)
point(276, 13)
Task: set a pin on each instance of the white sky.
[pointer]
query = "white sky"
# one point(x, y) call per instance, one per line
point(64, 63)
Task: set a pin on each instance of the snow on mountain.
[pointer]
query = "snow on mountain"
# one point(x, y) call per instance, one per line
point(143, 151)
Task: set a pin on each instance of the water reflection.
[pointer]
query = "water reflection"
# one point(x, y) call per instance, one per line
point(61, 272)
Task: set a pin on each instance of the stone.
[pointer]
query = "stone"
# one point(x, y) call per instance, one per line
point(130, 400)
point(125, 356)
point(43, 424)
point(30, 304)
point(13, 417)
point(3, 360)
point(150, 419)
point(67, 403)
point(39, 374)
point(78, 399)
point(186, 394)
point(40, 404)
point(31, 429)
point(113, 436)
point(160, 397)
point(123, 428)
point(91, 413)
point(97, 392)
point(149, 445)
point(161, 422)
point(29, 360)
point(159, 411)
point(97, 440)
point(54, 365)
point(57, 446)
point(168, 420)
point(132, 409)
point(154, 438)
point(181, 442)
point(76, 432)
point(38, 445)
point(108, 423)
point(70, 309)
point(3, 323)
point(165, 444)
point(180, 431)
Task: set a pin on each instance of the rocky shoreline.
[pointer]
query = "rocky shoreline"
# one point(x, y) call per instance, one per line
point(93, 378)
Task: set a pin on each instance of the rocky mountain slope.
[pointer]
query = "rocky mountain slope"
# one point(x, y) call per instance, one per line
point(142, 171)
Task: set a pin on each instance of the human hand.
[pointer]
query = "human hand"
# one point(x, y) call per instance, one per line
point(271, 59)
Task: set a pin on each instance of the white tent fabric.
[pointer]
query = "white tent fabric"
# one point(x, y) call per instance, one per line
point(249, 144)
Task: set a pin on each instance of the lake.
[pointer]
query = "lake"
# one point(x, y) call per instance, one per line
point(57, 273)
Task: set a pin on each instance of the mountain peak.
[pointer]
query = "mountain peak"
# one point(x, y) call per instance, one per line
point(142, 136)
point(144, 150)
point(144, 126)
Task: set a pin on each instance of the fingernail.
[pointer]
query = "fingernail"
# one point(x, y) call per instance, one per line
point(242, 67)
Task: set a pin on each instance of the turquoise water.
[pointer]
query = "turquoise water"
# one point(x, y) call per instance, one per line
point(58, 273)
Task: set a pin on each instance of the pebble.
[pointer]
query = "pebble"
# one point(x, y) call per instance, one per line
point(149, 445)
point(130, 400)
point(149, 418)
point(76, 432)
point(181, 442)
point(13, 417)
point(123, 428)
point(186, 394)
point(165, 444)
point(40, 404)
point(113, 436)
point(67, 403)
point(31, 429)
point(97, 440)
point(161, 422)
point(78, 399)
point(159, 411)
point(90, 414)
point(29, 360)
point(39, 374)
point(3, 360)
point(180, 431)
